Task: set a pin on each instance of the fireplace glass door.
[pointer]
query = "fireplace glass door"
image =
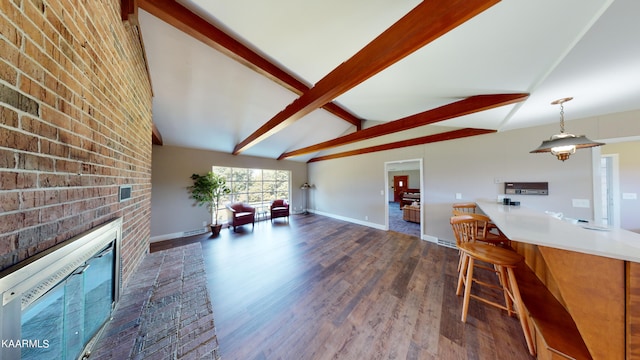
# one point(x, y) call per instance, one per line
point(61, 322)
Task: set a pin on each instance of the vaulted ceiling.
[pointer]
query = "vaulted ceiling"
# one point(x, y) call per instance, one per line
point(315, 80)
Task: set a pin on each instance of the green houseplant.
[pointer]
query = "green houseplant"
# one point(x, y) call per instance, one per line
point(207, 190)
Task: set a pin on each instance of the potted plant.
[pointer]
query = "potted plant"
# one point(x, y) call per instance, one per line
point(207, 190)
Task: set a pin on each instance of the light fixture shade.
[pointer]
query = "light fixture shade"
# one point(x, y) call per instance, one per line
point(579, 142)
point(564, 145)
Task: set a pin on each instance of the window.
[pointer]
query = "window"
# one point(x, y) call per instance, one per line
point(256, 187)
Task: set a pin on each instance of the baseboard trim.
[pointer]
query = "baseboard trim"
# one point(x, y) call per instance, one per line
point(351, 220)
point(430, 238)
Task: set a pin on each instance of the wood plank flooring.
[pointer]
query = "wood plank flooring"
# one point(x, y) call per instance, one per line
point(320, 288)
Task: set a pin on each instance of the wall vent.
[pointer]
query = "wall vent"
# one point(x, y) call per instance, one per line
point(194, 232)
point(125, 192)
point(448, 244)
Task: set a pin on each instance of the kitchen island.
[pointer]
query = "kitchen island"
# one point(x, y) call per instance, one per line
point(593, 271)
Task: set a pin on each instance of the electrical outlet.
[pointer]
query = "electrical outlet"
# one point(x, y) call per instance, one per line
point(458, 196)
point(497, 180)
point(366, 218)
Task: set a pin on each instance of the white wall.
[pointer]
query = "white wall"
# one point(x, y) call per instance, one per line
point(172, 209)
point(352, 187)
point(629, 166)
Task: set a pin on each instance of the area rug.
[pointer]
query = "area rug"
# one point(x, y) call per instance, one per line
point(397, 224)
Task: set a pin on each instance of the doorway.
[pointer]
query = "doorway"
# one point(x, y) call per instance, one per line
point(400, 177)
point(609, 176)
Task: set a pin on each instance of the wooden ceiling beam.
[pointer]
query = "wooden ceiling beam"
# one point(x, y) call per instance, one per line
point(183, 19)
point(156, 137)
point(425, 23)
point(470, 105)
point(449, 135)
point(129, 10)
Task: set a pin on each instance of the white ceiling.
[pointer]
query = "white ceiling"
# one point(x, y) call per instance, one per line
point(551, 49)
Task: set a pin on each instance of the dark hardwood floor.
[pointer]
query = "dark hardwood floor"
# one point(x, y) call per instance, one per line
point(320, 288)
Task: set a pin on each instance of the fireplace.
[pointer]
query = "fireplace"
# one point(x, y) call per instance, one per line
point(54, 304)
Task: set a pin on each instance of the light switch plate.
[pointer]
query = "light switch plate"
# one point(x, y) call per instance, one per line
point(629, 196)
point(581, 203)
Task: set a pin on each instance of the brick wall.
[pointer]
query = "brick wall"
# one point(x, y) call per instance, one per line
point(75, 104)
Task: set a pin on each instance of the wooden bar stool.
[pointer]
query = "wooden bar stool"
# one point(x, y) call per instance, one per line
point(473, 227)
point(469, 208)
point(463, 208)
point(503, 262)
point(488, 232)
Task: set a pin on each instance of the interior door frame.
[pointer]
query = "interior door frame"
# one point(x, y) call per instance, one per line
point(387, 164)
point(598, 191)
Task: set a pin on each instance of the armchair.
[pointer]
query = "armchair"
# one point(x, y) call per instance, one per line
point(241, 214)
point(279, 208)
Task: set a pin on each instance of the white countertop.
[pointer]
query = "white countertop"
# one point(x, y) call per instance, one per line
point(526, 225)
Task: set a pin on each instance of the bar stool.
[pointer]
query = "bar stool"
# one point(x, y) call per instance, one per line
point(464, 208)
point(503, 262)
point(469, 208)
point(488, 232)
point(473, 227)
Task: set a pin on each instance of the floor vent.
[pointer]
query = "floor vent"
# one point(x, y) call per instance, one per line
point(447, 244)
point(194, 232)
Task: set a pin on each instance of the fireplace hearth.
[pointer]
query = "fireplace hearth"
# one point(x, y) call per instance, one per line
point(55, 303)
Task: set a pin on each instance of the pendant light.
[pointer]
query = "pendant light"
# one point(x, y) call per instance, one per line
point(564, 145)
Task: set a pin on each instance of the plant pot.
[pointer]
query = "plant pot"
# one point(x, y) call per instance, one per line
point(215, 229)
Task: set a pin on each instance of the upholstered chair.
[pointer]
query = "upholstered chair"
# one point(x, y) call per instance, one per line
point(241, 214)
point(279, 208)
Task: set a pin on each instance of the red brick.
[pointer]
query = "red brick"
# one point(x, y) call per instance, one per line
point(26, 180)
point(32, 199)
point(31, 218)
point(11, 222)
point(39, 128)
point(34, 89)
point(7, 159)
point(71, 139)
point(52, 180)
point(52, 213)
point(31, 30)
point(31, 68)
point(8, 180)
point(54, 148)
point(27, 161)
point(50, 197)
point(68, 166)
point(54, 117)
point(17, 140)
point(8, 244)
point(8, 73)
point(8, 117)
point(8, 30)
point(9, 201)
